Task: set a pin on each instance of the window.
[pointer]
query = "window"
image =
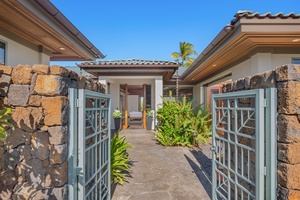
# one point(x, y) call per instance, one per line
point(296, 61)
point(2, 53)
point(182, 92)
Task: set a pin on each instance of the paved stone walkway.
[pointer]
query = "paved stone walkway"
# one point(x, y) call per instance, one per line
point(163, 173)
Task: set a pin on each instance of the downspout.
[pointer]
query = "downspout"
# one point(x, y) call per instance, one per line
point(223, 33)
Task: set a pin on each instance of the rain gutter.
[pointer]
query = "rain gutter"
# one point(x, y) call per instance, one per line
point(57, 15)
point(208, 50)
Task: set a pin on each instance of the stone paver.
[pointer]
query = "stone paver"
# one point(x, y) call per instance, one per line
point(160, 172)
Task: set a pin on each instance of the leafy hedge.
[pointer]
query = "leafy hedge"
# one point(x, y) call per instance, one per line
point(179, 124)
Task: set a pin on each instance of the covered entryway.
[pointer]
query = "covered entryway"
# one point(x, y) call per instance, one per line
point(116, 74)
point(134, 101)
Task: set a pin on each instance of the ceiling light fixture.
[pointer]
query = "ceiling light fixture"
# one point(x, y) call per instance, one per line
point(296, 40)
point(61, 48)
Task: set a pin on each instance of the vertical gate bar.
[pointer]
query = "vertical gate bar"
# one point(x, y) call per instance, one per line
point(72, 143)
point(229, 150)
point(259, 144)
point(109, 140)
point(214, 185)
point(271, 143)
point(81, 144)
point(235, 148)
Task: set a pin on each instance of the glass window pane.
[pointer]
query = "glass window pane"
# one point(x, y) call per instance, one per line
point(296, 61)
point(2, 53)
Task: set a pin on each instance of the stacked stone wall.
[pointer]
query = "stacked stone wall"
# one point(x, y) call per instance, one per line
point(287, 81)
point(33, 159)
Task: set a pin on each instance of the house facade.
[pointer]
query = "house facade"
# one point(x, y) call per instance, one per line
point(252, 43)
point(36, 32)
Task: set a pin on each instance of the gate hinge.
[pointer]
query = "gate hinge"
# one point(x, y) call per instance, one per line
point(77, 102)
point(265, 171)
point(265, 102)
point(78, 171)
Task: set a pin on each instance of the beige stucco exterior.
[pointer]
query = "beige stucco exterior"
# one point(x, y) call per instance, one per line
point(261, 62)
point(257, 63)
point(19, 51)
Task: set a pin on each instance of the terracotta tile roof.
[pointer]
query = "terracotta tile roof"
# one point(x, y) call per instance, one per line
point(133, 62)
point(250, 14)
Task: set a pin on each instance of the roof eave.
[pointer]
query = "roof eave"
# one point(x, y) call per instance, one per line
point(58, 16)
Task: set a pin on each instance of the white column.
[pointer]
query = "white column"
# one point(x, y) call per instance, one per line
point(158, 93)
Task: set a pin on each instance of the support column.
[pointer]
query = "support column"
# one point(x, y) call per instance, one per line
point(144, 107)
point(126, 107)
point(158, 94)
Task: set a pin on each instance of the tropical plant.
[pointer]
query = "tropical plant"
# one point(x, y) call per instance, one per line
point(179, 124)
point(117, 114)
point(202, 126)
point(183, 56)
point(149, 113)
point(4, 117)
point(120, 166)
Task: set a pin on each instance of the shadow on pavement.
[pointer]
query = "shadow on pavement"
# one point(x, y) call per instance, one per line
point(203, 169)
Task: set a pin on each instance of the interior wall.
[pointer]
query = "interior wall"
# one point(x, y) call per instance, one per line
point(133, 103)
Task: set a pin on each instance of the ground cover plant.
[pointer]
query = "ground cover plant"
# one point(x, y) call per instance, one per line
point(179, 124)
point(4, 117)
point(120, 166)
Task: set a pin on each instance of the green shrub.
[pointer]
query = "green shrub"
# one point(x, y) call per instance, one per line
point(120, 166)
point(180, 124)
point(4, 117)
point(202, 126)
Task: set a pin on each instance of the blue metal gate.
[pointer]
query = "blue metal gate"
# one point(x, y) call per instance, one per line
point(89, 145)
point(244, 131)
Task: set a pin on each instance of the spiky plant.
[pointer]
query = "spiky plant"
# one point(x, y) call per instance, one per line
point(120, 166)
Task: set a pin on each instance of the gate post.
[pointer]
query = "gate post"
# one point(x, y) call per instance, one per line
point(259, 145)
point(72, 149)
point(271, 143)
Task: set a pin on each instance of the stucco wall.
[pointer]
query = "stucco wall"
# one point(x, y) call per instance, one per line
point(287, 81)
point(33, 160)
point(20, 51)
point(259, 63)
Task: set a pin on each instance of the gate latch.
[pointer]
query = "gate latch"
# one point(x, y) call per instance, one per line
point(213, 148)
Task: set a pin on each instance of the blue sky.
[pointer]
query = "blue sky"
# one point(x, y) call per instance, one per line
point(152, 29)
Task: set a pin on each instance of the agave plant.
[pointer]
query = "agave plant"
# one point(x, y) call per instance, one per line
point(4, 117)
point(120, 166)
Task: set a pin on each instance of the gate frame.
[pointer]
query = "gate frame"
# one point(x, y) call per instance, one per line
point(264, 168)
point(76, 128)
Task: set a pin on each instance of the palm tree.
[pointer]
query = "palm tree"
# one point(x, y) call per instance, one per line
point(183, 56)
point(186, 49)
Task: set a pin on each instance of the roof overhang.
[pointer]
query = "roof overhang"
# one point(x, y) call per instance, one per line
point(42, 24)
point(166, 71)
point(238, 42)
